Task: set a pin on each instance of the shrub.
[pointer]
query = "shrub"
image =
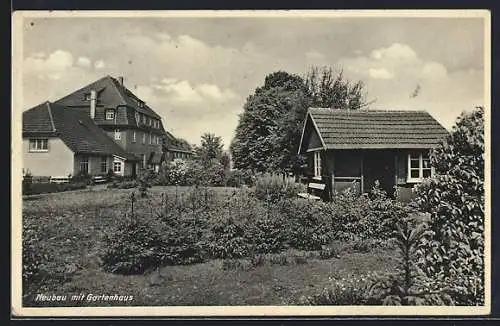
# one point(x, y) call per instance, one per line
point(266, 234)
point(308, 225)
point(238, 178)
point(454, 245)
point(27, 186)
point(227, 239)
point(41, 188)
point(274, 187)
point(144, 181)
point(328, 253)
point(134, 246)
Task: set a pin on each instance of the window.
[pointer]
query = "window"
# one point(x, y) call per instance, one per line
point(144, 138)
point(419, 167)
point(110, 114)
point(150, 139)
point(157, 140)
point(118, 134)
point(39, 145)
point(86, 97)
point(117, 167)
point(137, 117)
point(134, 136)
point(104, 164)
point(317, 164)
point(140, 103)
point(84, 164)
point(143, 160)
point(143, 119)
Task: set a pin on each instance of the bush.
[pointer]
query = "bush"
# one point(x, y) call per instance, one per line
point(454, 245)
point(308, 226)
point(134, 246)
point(41, 188)
point(274, 187)
point(123, 185)
point(144, 181)
point(227, 239)
point(238, 178)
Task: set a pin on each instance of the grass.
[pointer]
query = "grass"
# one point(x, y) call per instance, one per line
point(74, 223)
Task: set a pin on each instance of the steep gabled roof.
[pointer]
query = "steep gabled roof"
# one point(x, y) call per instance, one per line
point(110, 94)
point(73, 127)
point(372, 129)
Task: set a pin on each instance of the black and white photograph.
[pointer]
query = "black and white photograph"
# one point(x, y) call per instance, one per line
point(204, 163)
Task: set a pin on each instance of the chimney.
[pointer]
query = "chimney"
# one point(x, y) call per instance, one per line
point(93, 100)
point(120, 79)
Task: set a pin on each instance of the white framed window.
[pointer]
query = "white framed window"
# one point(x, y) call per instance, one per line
point(144, 138)
point(137, 118)
point(39, 145)
point(118, 134)
point(86, 96)
point(104, 164)
point(117, 167)
point(157, 140)
point(110, 114)
point(317, 164)
point(134, 136)
point(144, 119)
point(84, 164)
point(419, 167)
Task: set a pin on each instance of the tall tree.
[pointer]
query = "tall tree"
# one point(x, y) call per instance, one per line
point(210, 149)
point(330, 89)
point(269, 129)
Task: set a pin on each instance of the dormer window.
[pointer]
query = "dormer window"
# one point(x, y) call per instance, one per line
point(140, 104)
point(86, 96)
point(137, 118)
point(110, 114)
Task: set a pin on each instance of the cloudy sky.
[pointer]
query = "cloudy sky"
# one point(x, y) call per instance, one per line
point(197, 72)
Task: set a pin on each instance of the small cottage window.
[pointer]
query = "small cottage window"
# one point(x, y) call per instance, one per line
point(110, 114)
point(118, 134)
point(117, 167)
point(134, 136)
point(317, 164)
point(39, 145)
point(104, 164)
point(84, 165)
point(419, 167)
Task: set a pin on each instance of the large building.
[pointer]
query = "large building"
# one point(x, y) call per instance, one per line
point(115, 111)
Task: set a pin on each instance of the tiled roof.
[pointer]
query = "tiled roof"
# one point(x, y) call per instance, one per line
point(74, 127)
point(366, 129)
point(174, 144)
point(110, 93)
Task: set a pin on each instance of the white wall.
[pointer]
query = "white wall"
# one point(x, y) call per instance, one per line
point(57, 161)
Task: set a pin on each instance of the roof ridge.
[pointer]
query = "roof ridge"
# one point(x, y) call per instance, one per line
point(50, 115)
point(366, 110)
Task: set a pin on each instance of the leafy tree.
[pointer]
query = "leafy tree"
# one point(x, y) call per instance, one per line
point(210, 149)
point(268, 134)
point(454, 245)
point(329, 89)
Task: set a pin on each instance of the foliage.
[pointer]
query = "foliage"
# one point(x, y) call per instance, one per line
point(34, 254)
point(210, 149)
point(275, 187)
point(134, 246)
point(329, 89)
point(344, 292)
point(123, 185)
point(453, 250)
point(409, 285)
point(238, 178)
point(269, 130)
point(42, 188)
point(145, 181)
point(27, 184)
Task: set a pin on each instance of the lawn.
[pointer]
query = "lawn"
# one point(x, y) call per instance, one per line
point(73, 225)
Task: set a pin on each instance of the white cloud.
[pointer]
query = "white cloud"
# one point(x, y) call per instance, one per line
point(99, 64)
point(51, 67)
point(83, 62)
point(380, 73)
point(396, 51)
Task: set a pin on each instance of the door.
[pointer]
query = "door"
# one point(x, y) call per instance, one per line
point(379, 165)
